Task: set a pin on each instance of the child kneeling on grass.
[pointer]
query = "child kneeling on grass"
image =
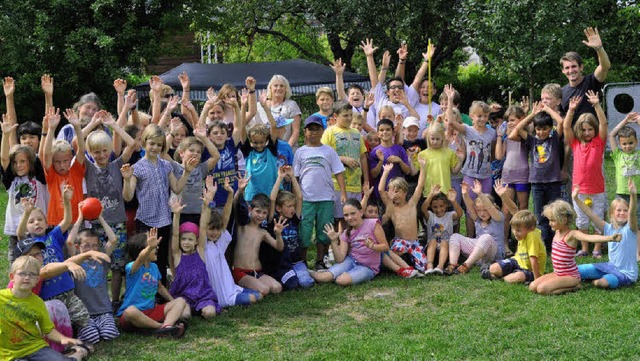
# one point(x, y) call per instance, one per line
point(24, 319)
point(531, 257)
point(139, 309)
point(357, 250)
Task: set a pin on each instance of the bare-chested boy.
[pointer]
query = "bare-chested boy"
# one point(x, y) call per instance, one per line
point(247, 269)
point(403, 214)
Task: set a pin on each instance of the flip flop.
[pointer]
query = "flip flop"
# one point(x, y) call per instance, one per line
point(165, 331)
point(582, 253)
point(597, 255)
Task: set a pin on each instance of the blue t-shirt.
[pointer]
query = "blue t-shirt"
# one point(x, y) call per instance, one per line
point(623, 254)
point(225, 168)
point(55, 241)
point(262, 167)
point(142, 287)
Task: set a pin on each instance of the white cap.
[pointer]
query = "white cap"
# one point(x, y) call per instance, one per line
point(409, 121)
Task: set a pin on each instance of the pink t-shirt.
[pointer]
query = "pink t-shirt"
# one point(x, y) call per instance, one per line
point(587, 165)
point(357, 247)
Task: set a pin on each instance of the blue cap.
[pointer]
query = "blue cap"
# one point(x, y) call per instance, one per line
point(25, 245)
point(313, 119)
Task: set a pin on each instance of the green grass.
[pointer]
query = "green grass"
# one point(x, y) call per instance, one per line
point(454, 318)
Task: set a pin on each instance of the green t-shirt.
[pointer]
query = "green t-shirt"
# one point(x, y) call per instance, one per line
point(19, 320)
point(626, 165)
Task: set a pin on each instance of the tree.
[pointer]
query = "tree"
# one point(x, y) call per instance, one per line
point(83, 44)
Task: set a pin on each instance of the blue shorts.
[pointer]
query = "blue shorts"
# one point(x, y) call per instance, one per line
point(520, 187)
point(359, 273)
point(510, 265)
point(606, 270)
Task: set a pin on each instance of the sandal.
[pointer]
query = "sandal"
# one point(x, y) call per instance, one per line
point(596, 254)
point(83, 350)
point(165, 331)
point(582, 253)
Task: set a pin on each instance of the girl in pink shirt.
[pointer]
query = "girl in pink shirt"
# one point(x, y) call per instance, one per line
point(588, 157)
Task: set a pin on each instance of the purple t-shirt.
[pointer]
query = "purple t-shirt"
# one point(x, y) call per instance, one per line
point(516, 165)
point(395, 172)
point(357, 248)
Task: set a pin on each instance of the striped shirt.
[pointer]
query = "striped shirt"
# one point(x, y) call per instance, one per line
point(563, 258)
point(152, 191)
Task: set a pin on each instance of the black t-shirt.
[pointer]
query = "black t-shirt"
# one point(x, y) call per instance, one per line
point(588, 83)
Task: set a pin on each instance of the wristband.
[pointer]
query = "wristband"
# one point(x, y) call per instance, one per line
point(598, 48)
point(44, 134)
point(385, 68)
point(252, 91)
point(365, 109)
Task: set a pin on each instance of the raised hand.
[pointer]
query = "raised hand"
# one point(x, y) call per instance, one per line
point(451, 195)
point(211, 95)
point(120, 86)
point(175, 203)
point(46, 83)
point(200, 132)
point(330, 231)
point(574, 102)
point(464, 187)
point(449, 91)
point(525, 103)
point(53, 118)
point(435, 189)
point(500, 188)
point(477, 186)
point(369, 100)
point(367, 47)
point(152, 238)
point(402, 51)
point(184, 80)
point(131, 100)
point(126, 170)
point(593, 38)
point(107, 119)
point(386, 59)
point(262, 97)
point(338, 66)
point(71, 115)
point(244, 96)
point(209, 191)
point(250, 83)
point(67, 192)
point(227, 185)
point(28, 204)
point(430, 51)
point(387, 168)
point(243, 181)
point(278, 226)
point(366, 189)
point(9, 86)
point(592, 97)
point(632, 186)
point(172, 104)
point(155, 83)
point(7, 126)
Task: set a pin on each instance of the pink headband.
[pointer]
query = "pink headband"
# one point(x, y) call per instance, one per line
point(189, 227)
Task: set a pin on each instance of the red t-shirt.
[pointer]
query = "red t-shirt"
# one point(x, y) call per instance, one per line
point(587, 165)
point(54, 185)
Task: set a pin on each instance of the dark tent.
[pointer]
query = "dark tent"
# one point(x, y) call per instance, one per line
point(305, 77)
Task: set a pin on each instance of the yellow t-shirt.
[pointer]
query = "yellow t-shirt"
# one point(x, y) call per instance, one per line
point(347, 143)
point(531, 245)
point(438, 170)
point(19, 320)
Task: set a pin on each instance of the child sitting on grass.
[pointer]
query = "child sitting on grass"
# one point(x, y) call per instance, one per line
point(139, 309)
point(531, 257)
point(565, 276)
point(25, 320)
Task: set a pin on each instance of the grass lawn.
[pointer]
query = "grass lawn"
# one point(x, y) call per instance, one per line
point(454, 318)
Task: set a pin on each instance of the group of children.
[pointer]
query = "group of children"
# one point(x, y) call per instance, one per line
point(382, 179)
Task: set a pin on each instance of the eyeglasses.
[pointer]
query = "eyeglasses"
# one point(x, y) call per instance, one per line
point(399, 87)
point(27, 274)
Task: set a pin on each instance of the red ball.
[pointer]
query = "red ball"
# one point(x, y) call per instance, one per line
point(91, 208)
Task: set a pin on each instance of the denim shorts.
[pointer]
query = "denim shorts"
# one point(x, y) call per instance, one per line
point(359, 273)
point(510, 265)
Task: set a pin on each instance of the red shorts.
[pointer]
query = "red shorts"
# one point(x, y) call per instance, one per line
point(240, 273)
point(156, 314)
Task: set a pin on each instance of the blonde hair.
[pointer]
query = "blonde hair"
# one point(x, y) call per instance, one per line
point(479, 106)
point(61, 146)
point(282, 79)
point(25, 262)
point(386, 107)
point(399, 183)
point(435, 129)
point(516, 111)
point(285, 196)
point(166, 90)
point(587, 118)
point(523, 218)
point(325, 90)
point(357, 117)
point(153, 131)
point(226, 90)
point(185, 144)
point(559, 211)
point(553, 89)
point(259, 129)
point(612, 208)
point(99, 139)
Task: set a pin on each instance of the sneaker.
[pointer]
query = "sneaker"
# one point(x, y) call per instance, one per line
point(320, 266)
point(485, 273)
point(407, 272)
point(327, 261)
point(462, 269)
point(430, 271)
point(420, 274)
point(450, 269)
point(330, 255)
point(438, 271)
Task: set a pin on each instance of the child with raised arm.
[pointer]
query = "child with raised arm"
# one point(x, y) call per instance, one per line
point(93, 289)
point(626, 159)
point(191, 280)
point(23, 179)
point(588, 157)
point(25, 320)
point(488, 246)
point(139, 309)
point(152, 180)
point(387, 153)
point(478, 145)
point(261, 154)
point(530, 258)
point(439, 224)
point(59, 168)
point(565, 276)
point(315, 164)
point(218, 239)
point(622, 268)
point(349, 144)
point(404, 214)
point(247, 269)
point(287, 266)
point(545, 149)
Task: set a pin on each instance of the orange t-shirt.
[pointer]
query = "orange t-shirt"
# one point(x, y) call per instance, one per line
point(55, 181)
